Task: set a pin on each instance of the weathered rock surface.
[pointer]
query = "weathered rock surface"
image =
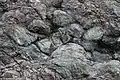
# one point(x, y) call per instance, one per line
point(61, 18)
point(95, 33)
point(68, 57)
point(20, 35)
point(38, 26)
point(60, 39)
point(107, 70)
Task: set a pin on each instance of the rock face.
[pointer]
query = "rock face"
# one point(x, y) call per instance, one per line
point(21, 36)
point(60, 39)
point(61, 18)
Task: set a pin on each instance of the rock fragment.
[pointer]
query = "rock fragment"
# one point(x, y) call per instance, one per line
point(21, 35)
point(38, 26)
point(61, 18)
point(95, 33)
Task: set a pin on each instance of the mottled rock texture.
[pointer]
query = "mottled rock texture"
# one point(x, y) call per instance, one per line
point(59, 39)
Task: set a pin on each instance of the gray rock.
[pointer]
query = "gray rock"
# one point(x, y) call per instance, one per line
point(88, 45)
point(7, 15)
point(70, 50)
point(57, 3)
point(38, 26)
point(64, 35)
point(88, 24)
point(70, 68)
point(35, 1)
point(71, 4)
point(20, 35)
point(41, 9)
point(111, 68)
point(3, 0)
point(70, 61)
point(22, 16)
point(95, 33)
point(61, 18)
point(5, 59)
point(45, 46)
point(56, 41)
point(109, 40)
point(32, 53)
point(50, 12)
point(54, 3)
point(117, 1)
point(19, 16)
point(75, 30)
point(100, 57)
point(50, 44)
point(117, 56)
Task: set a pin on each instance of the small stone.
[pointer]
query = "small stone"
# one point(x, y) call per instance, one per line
point(64, 35)
point(45, 46)
point(95, 33)
point(109, 40)
point(52, 3)
point(38, 26)
point(41, 8)
point(75, 30)
point(50, 44)
point(117, 56)
point(57, 3)
point(50, 12)
point(88, 45)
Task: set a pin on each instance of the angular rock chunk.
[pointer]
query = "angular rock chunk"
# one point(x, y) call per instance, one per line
point(41, 9)
point(70, 50)
point(21, 35)
point(50, 12)
point(48, 45)
point(64, 35)
point(54, 3)
point(70, 68)
point(95, 33)
point(32, 53)
point(109, 40)
point(57, 3)
point(75, 30)
point(69, 61)
point(38, 26)
point(61, 18)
